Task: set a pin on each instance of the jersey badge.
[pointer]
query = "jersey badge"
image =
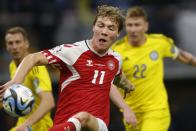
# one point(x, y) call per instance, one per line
point(154, 55)
point(173, 49)
point(111, 65)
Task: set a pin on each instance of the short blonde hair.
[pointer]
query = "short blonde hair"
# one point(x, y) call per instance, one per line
point(113, 13)
point(136, 11)
point(17, 29)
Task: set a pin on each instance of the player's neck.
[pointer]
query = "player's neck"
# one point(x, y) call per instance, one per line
point(139, 42)
point(19, 60)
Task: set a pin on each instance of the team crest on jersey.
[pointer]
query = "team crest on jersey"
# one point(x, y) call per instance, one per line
point(111, 65)
point(154, 55)
point(173, 49)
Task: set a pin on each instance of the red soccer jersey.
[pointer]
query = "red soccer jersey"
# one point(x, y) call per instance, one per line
point(85, 80)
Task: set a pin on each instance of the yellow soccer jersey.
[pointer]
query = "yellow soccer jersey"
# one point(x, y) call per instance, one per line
point(143, 65)
point(37, 80)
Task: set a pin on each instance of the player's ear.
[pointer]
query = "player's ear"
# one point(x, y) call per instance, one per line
point(118, 35)
point(6, 46)
point(146, 26)
point(27, 44)
point(93, 28)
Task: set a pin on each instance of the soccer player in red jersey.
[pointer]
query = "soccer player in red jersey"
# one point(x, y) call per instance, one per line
point(87, 71)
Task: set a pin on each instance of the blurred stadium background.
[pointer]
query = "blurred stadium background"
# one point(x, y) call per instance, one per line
point(53, 22)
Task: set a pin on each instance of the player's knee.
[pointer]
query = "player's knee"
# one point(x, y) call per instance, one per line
point(84, 118)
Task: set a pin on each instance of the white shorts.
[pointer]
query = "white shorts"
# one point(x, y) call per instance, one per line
point(102, 125)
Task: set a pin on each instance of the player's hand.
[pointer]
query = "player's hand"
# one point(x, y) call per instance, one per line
point(129, 116)
point(3, 88)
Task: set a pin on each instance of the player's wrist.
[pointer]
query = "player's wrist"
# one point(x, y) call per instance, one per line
point(124, 107)
point(11, 82)
point(28, 123)
point(29, 128)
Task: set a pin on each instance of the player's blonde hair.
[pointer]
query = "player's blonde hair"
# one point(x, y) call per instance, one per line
point(17, 29)
point(113, 13)
point(136, 11)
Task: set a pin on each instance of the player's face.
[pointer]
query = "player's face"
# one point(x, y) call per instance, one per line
point(105, 33)
point(136, 28)
point(16, 45)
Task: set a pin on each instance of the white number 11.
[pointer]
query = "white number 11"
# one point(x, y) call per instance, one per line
point(96, 74)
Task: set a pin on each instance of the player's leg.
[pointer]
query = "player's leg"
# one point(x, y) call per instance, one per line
point(87, 121)
point(90, 122)
point(81, 121)
point(156, 121)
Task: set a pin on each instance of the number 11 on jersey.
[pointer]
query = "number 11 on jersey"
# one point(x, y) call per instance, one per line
point(100, 75)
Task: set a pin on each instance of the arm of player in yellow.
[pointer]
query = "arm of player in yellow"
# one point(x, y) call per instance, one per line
point(186, 57)
point(117, 99)
point(46, 104)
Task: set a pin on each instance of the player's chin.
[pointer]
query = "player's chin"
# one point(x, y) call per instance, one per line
point(102, 50)
point(16, 56)
point(103, 46)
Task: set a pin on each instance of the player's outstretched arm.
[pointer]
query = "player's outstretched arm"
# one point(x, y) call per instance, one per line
point(25, 66)
point(186, 57)
point(117, 99)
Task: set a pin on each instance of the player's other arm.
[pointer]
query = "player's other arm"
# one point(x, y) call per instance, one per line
point(122, 82)
point(117, 99)
point(25, 66)
point(186, 57)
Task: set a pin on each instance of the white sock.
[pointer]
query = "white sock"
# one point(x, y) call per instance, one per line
point(76, 123)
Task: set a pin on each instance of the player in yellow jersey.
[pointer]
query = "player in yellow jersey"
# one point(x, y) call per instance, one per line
point(142, 56)
point(37, 80)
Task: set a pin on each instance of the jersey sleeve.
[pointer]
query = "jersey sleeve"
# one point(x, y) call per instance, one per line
point(169, 48)
point(41, 79)
point(55, 55)
point(118, 57)
point(65, 54)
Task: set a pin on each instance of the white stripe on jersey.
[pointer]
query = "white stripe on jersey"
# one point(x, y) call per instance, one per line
point(49, 57)
point(75, 76)
point(51, 61)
